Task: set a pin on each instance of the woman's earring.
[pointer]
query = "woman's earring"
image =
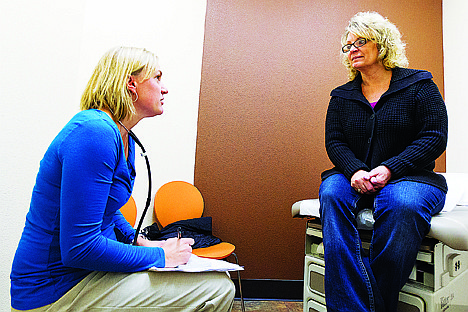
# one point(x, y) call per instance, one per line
point(136, 98)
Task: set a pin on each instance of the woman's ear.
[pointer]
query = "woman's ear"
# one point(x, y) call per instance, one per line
point(131, 84)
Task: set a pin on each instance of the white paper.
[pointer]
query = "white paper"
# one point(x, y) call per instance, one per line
point(198, 264)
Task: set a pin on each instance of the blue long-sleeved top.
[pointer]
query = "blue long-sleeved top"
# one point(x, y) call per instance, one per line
point(74, 224)
point(406, 131)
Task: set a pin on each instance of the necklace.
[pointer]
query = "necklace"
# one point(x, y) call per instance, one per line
point(148, 198)
point(124, 139)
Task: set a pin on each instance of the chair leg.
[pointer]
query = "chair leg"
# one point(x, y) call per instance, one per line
point(240, 285)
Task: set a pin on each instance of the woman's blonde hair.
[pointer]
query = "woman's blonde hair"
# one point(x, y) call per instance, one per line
point(376, 28)
point(107, 87)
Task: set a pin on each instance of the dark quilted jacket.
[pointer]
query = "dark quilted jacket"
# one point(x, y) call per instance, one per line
point(406, 131)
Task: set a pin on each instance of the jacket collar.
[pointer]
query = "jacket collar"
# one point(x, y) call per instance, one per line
point(401, 78)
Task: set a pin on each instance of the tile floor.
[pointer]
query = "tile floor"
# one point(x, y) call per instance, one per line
point(268, 306)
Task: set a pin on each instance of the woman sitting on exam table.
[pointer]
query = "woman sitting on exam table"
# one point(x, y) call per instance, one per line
point(75, 253)
point(384, 130)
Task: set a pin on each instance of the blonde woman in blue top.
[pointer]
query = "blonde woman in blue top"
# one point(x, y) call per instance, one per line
point(75, 253)
point(384, 130)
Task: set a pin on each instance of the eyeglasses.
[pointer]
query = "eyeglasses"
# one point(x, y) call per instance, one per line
point(357, 44)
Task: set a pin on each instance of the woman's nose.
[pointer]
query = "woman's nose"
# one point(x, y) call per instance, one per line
point(164, 89)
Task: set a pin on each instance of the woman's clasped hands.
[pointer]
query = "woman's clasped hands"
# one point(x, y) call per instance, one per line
point(370, 182)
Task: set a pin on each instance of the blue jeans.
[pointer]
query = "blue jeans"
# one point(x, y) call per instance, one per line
point(357, 281)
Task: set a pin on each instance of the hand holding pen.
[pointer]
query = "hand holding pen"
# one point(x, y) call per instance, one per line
point(177, 250)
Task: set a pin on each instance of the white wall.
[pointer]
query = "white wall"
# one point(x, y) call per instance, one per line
point(47, 52)
point(456, 82)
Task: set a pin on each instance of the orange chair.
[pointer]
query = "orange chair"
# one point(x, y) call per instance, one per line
point(129, 211)
point(179, 200)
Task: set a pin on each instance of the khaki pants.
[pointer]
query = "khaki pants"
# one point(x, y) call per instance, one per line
point(147, 291)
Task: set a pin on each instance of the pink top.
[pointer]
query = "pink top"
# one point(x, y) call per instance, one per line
point(373, 104)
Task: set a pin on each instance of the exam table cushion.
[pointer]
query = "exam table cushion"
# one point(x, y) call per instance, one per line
point(450, 226)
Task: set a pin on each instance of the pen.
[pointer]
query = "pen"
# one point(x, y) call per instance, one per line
point(179, 233)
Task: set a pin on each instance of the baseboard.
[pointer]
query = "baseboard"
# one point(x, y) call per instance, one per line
point(270, 289)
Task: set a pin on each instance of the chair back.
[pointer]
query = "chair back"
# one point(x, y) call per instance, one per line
point(129, 211)
point(177, 200)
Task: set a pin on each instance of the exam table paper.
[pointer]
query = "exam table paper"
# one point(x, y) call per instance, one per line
point(198, 264)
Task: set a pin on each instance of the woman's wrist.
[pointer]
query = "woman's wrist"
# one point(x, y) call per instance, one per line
point(142, 240)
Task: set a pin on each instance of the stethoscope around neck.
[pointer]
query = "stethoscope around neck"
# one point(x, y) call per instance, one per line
point(148, 198)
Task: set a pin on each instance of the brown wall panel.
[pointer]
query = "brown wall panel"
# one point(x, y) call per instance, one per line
point(268, 69)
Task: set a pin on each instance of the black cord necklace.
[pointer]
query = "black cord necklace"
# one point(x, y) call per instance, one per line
point(148, 199)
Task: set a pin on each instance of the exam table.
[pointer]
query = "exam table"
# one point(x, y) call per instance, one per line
point(439, 280)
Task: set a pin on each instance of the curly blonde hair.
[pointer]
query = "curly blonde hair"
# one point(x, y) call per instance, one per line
point(378, 29)
point(107, 87)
